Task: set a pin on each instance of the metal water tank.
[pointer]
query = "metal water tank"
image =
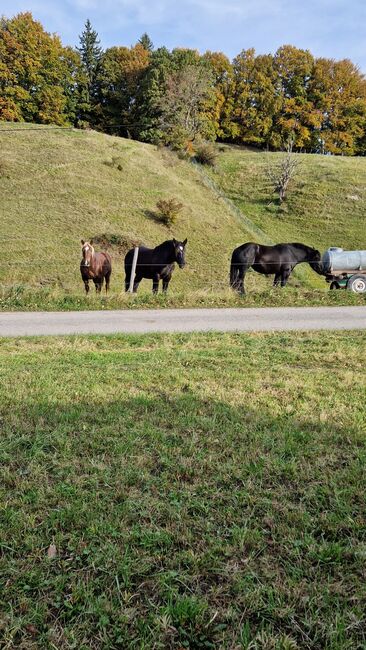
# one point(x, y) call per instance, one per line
point(336, 260)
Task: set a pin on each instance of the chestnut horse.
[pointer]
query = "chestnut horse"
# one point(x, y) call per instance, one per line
point(95, 266)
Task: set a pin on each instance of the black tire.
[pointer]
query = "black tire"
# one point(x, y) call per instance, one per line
point(357, 283)
point(334, 285)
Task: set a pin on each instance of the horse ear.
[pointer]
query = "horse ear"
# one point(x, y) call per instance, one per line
point(91, 242)
point(185, 241)
point(174, 241)
point(82, 242)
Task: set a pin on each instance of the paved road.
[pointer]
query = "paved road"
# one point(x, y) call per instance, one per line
point(182, 320)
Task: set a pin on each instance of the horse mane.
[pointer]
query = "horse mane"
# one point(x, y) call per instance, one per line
point(302, 246)
point(163, 244)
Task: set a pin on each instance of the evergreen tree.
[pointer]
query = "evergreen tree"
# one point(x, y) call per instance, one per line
point(146, 42)
point(90, 54)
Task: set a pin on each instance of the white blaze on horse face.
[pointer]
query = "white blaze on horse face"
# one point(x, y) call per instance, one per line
point(87, 253)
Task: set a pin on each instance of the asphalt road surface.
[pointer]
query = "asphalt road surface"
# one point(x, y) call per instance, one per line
point(263, 319)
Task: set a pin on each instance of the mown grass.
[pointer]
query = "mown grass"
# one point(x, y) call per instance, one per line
point(60, 186)
point(202, 491)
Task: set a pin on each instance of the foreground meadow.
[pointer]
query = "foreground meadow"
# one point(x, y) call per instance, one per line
point(201, 491)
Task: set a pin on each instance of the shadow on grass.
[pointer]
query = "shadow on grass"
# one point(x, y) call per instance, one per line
point(157, 218)
point(178, 522)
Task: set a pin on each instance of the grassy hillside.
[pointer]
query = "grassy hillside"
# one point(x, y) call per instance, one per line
point(325, 206)
point(219, 505)
point(60, 186)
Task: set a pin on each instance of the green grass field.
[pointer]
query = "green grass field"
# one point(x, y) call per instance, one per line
point(326, 202)
point(203, 491)
point(60, 186)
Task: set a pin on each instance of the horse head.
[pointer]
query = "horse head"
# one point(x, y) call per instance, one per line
point(315, 261)
point(179, 250)
point(87, 252)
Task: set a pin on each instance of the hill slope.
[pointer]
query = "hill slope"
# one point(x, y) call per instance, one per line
point(325, 206)
point(59, 186)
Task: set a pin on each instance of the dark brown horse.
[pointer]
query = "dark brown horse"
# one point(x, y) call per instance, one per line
point(95, 266)
point(278, 260)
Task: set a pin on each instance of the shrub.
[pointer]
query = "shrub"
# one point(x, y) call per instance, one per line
point(178, 140)
point(206, 154)
point(169, 210)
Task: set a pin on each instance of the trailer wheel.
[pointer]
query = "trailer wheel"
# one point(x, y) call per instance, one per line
point(357, 284)
point(334, 285)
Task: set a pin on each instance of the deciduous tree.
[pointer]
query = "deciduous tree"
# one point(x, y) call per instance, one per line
point(34, 73)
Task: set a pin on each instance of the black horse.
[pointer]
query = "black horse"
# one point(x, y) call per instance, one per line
point(279, 260)
point(155, 263)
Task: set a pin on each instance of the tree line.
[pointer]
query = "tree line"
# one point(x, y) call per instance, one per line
point(179, 97)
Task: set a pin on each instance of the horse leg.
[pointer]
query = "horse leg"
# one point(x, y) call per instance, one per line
point(277, 279)
point(166, 281)
point(238, 283)
point(285, 274)
point(136, 283)
point(242, 273)
point(107, 280)
point(155, 287)
point(127, 277)
point(86, 285)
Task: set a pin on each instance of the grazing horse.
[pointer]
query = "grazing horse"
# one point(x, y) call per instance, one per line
point(279, 260)
point(95, 266)
point(155, 263)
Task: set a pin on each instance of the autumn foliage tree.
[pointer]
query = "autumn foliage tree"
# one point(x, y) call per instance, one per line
point(36, 73)
point(183, 106)
point(180, 96)
point(120, 75)
point(338, 93)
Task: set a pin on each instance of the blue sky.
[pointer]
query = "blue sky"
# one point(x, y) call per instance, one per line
point(330, 28)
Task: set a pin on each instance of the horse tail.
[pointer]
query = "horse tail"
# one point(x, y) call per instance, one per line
point(241, 259)
point(236, 268)
point(128, 268)
point(234, 274)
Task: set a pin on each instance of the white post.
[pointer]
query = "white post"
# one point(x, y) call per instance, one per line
point(133, 270)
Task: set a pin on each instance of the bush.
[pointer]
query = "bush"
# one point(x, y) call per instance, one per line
point(206, 154)
point(178, 140)
point(169, 210)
